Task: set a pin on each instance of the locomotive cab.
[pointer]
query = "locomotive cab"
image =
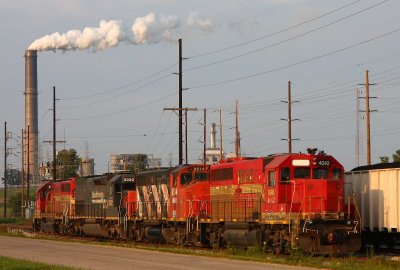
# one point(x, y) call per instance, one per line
point(190, 189)
point(41, 197)
point(310, 184)
point(54, 202)
point(308, 191)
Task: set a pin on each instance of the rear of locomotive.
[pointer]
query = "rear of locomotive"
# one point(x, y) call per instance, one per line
point(322, 219)
point(168, 203)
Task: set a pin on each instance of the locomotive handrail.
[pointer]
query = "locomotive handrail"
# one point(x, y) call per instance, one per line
point(65, 214)
point(291, 203)
point(357, 210)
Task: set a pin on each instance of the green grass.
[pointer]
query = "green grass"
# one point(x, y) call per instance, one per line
point(13, 191)
point(15, 264)
point(8, 221)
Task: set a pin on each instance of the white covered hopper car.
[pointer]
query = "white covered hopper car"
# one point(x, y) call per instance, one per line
point(378, 200)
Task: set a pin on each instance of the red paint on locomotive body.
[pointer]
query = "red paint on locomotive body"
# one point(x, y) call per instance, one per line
point(286, 197)
point(277, 185)
point(305, 184)
point(190, 190)
point(53, 198)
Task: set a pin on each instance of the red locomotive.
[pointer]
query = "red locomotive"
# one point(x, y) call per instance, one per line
point(286, 200)
point(276, 202)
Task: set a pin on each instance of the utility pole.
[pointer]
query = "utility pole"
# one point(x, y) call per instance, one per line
point(54, 142)
point(357, 139)
point(368, 118)
point(180, 102)
point(237, 131)
point(22, 172)
point(220, 134)
point(368, 111)
point(186, 139)
point(54, 134)
point(180, 138)
point(205, 136)
point(289, 119)
point(5, 169)
point(180, 89)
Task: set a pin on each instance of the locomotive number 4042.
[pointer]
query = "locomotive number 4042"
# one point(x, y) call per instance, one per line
point(323, 162)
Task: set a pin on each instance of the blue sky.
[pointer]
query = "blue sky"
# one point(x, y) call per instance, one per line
point(113, 99)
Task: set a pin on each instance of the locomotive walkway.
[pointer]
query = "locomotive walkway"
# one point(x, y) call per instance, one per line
point(87, 256)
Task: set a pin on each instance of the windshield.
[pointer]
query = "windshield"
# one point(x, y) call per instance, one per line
point(301, 172)
point(319, 173)
point(186, 178)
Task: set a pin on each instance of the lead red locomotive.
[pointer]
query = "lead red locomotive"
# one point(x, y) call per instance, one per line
point(276, 202)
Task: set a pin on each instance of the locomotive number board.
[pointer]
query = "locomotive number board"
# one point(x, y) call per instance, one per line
point(324, 162)
point(199, 169)
point(128, 179)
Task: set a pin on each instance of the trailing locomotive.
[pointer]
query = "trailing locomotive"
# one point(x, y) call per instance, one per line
point(90, 206)
point(276, 202)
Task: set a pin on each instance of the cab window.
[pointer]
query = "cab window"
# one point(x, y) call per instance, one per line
point(201, 176)
point(43, 194)
point(271, 179)
point(186, 178)
point(285, 174)
point(301, 172)
point(320, 173)
point(336, 173)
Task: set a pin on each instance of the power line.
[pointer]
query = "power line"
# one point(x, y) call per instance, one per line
point(286, 40)
point(107, 136)
point(162, 134)
point(389, 56)
point(121, 111)
point(275, 33)
point(158, 126)
point(297, 63)
point(122, 87)
point(116, 96)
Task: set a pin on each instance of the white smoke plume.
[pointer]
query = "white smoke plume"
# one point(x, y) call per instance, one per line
point(204, 24)
point(148, 30)
point(145, 30)
point(107, 35)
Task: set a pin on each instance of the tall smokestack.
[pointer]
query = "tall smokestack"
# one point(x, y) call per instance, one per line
point(31, 110)
point(213, 132)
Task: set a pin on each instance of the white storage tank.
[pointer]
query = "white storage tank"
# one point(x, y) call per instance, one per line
point(87, 167)
point(378, 197)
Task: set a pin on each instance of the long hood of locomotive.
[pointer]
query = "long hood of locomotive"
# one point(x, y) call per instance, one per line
point(153, 194)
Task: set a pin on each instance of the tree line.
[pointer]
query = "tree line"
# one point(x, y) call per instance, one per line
point(395, 156)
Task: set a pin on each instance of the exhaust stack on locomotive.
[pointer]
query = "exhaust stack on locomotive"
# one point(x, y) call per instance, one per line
point(31, 110)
